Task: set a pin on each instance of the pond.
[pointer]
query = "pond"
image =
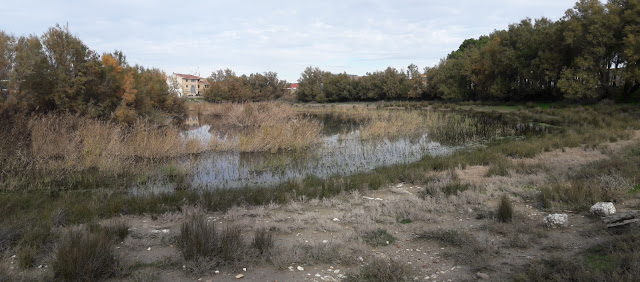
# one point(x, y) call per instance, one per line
point(340, 152)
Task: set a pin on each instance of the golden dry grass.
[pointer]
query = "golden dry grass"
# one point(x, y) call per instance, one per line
point(260, 127)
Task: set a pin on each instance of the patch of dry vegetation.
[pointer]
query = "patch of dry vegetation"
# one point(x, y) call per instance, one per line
point(260, 127)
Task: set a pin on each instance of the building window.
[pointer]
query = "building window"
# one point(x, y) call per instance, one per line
point(193, 89)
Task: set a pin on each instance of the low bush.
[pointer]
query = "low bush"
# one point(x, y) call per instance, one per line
point(85, 256)
point(262, 241)
point(378, 237)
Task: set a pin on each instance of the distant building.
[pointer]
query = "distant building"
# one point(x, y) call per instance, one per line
point(293, 87)
point(187, 85)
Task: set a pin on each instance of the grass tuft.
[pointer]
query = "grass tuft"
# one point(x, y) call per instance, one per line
point(85, 257)
point(505, 209)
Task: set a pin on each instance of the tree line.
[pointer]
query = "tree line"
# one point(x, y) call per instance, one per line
point(225, 85)
point(589, 54)
point(57, 72)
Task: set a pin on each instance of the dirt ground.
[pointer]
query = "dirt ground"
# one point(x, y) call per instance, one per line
point(334, 227)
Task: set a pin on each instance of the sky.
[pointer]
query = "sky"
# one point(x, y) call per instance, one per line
point(198, 37)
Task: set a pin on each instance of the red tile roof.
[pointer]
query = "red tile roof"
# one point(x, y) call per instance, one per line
point(187, 76)
point(293, 85)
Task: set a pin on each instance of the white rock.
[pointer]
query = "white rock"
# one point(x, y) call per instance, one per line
point(318, 275)
point(290, 268)
point(300, 268)
point(239, 276)
point(325, 241)
point(160, 231)
point(149, 249)
point(555, 220)
point(336, 219)
point(217, 271)
point(603, 208)
point(244, 269)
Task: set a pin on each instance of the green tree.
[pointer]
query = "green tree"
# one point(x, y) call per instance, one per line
point(311, 86)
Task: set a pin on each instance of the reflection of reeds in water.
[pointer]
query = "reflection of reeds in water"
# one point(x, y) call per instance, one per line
point(448, 127)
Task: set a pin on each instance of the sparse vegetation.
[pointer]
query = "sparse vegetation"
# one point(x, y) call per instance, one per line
point(614, 260)
point(382, 270)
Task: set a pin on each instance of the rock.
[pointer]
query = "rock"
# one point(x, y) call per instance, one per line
point(555, 220)
point(149, 249)
point(244, 269)
point(603, 209)
point(290, 268)
point(325, 241)
point(239, 276)
point(300, 268)
point(336, 219)
point(482, 276)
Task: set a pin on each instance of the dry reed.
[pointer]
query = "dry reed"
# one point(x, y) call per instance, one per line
point(260, 127)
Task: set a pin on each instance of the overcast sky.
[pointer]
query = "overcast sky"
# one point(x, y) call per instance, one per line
point(282, 36)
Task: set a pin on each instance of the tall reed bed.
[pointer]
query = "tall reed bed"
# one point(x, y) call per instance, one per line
point(260, 127)
point(70, 151)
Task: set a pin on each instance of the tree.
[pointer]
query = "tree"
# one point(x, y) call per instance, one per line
point(310, 86)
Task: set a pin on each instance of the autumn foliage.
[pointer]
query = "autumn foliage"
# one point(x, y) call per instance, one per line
point(57, 72)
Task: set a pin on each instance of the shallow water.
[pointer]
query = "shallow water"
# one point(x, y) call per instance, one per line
point(340, 152)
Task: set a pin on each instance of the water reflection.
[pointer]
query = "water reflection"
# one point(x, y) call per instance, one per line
point(337, 155)
point(341, 152)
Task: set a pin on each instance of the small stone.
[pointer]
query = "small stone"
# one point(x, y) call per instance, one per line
point(300, 268)
point(336, 271)
point(482, 276)
point(360, 259)
point(244, 269)
point(149, 249)
point(184, 267)
point(239, 276)
point(336, 219)
point(318, 275)
point(217, 272)
point(290, 268)
point(325, 241)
